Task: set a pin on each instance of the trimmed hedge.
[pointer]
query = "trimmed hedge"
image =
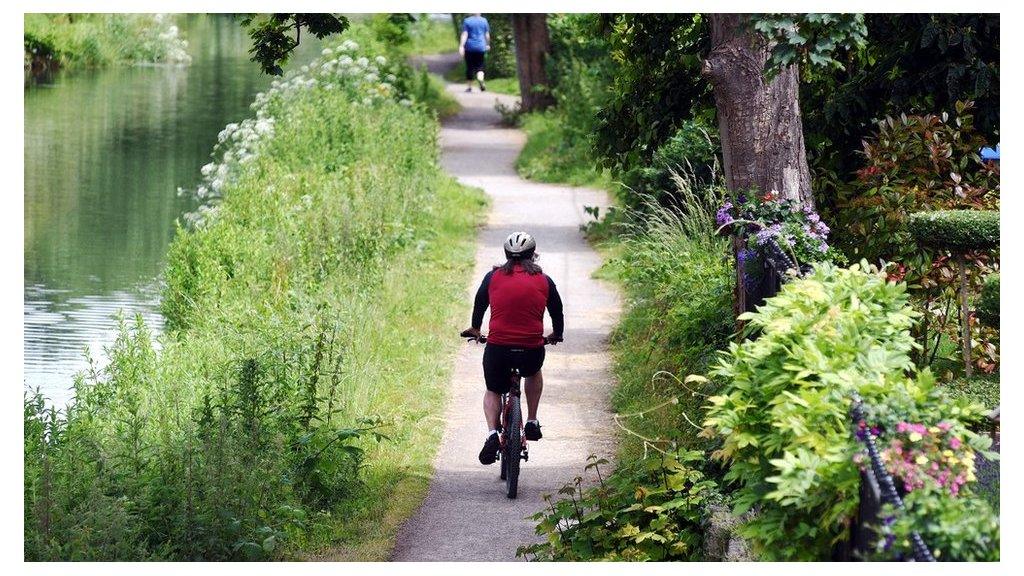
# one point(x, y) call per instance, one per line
point(988, 303)
point(983, 390)
point(958, 230)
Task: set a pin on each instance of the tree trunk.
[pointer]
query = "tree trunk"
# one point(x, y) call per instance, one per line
point(759, 119)
point(532, 46)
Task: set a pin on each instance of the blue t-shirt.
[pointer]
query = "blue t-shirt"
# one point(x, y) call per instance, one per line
point(476, 28)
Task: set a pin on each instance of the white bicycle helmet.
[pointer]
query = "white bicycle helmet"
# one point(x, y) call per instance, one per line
point(519, 245)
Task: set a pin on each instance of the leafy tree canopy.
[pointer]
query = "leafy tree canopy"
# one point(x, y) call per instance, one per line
point(274, 36)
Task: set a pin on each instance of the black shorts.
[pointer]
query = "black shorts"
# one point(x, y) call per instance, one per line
point(500, 360)
point(474, 63)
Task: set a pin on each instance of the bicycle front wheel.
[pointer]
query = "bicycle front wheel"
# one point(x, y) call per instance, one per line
point(513, 444)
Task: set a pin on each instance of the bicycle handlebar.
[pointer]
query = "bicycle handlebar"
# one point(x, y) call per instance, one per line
point(483, 339)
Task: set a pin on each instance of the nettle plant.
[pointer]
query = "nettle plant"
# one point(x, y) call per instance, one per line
point(783, 416)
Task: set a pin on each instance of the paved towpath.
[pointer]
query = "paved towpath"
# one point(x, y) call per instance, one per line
point(466, 515)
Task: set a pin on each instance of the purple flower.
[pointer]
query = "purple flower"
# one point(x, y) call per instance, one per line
point(724, 214)
point(764, 236)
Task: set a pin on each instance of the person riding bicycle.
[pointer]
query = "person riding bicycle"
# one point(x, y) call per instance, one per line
point(517, 292)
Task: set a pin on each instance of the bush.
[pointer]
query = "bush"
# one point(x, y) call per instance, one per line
point(914, 163)
point(782, 416)
point(956, 230)
point(691, 150)
point(104, 39)
point(647, 510)
point(988, 304)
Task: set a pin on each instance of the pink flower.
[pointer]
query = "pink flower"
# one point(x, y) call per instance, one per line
point(902, 427)
point(954, 443)
point(944, 426)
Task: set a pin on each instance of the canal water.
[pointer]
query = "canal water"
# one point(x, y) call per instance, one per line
point(105, 152)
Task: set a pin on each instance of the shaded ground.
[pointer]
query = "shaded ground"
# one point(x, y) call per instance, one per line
point(466, 515)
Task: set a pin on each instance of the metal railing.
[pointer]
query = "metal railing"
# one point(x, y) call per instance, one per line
point(878, 488)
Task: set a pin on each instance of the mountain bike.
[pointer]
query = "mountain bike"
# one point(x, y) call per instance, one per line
point(511, 439)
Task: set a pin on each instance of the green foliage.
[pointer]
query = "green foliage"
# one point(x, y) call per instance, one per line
point(647, 510)
point(272, 41)
point(559, 144)
point(92, 40)
point(914, 163)
point(655, 84)
point(914, 63)
point(956, 230)
point(988, 303)
point(955, 529)
point(810, 39)
point(692, 150)
point(307, 312)
point(783, 413)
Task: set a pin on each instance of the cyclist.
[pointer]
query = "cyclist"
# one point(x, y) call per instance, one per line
point(517, 292)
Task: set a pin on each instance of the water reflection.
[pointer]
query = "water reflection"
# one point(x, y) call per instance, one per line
point(104, 153)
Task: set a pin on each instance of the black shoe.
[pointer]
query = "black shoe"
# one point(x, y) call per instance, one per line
point(470, 89)
point(532, 431)
point(482, 87)
point(489, 453)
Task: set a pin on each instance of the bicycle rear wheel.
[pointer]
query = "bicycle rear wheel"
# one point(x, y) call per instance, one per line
point(513, 445)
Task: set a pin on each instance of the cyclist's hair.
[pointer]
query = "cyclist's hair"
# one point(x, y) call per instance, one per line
point(529, 265)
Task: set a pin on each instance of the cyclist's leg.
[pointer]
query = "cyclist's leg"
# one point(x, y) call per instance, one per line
point(533, 387)
point(496, 369)
point(533, 361)
point(492, 409)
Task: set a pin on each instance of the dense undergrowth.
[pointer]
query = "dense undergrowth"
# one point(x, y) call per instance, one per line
point(287, 409)
point(90, 40)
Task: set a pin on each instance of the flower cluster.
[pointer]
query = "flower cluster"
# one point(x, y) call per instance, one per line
point(917, 454)
point(797, 228)
point(366, 80)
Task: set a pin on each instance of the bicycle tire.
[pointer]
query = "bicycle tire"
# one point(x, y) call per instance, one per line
point(504, 473)
point(513, 444)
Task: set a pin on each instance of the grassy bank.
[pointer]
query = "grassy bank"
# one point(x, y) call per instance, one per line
point(294, 404)
point(92, 40)
point(551, 155)
point(677, 280)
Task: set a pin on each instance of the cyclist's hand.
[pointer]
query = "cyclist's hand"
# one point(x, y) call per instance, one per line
point(552, 339)
point(473, 333)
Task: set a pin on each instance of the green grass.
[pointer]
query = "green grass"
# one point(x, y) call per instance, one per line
point(294, 406)
point(429, 89)
point(550, 155)
point(93, 40)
